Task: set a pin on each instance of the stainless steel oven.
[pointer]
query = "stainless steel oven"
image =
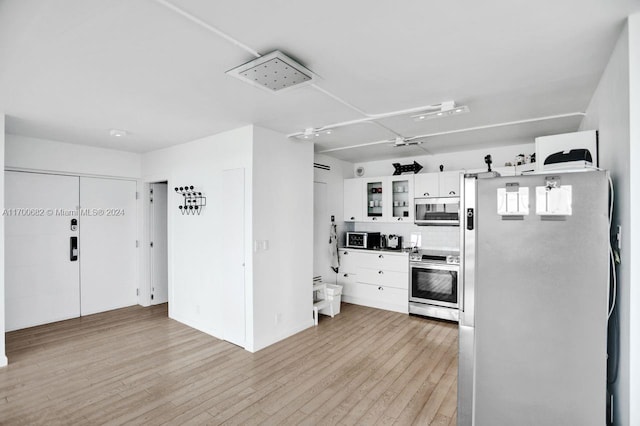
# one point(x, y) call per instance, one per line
point(434, 290)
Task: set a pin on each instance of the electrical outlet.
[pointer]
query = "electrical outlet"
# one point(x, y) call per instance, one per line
point(260, 245)
point(619, 237)
point(278, 318)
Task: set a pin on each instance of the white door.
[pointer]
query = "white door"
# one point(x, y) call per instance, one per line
point(158, 233)
point(233, 297)
point(41, 281)
point(108, 244)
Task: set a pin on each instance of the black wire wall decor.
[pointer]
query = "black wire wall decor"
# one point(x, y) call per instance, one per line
point(192, 201)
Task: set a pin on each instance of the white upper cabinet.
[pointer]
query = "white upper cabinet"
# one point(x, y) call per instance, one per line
point(449, 184)
point(401, 203)
point(427, 185)
point(439, 184)
point(353, 200)
point(379, 199)
point(376, 200)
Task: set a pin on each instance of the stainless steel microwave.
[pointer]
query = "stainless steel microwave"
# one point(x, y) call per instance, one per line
point(444, 211)
point(366, 240)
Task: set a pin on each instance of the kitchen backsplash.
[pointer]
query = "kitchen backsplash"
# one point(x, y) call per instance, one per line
point(433, 237)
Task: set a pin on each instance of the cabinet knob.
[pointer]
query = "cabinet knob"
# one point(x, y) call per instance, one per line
point(380, 288)
point(426, 194)
point(345, 253)
point(380, 272)
point(380, 256)
point(452, 192)
point(374, 218)
point(346, 275)
point(353, 218)
point(399, 218)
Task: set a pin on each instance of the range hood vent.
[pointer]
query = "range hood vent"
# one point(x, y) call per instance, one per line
point(274, 72)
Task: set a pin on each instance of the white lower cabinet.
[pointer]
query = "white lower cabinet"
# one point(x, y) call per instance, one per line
point(377, 296)
point(374, 278)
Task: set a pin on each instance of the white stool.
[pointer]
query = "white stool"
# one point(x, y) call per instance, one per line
point(322, 303)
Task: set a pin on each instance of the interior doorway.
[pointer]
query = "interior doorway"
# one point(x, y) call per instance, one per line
point(158, 254)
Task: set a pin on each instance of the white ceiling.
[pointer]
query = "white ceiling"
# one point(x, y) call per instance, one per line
point(71, 70)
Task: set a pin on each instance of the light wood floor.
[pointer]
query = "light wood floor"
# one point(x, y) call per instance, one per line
point(136, 366)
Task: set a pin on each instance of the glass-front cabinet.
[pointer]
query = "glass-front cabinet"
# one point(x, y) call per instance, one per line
point(388, 199)
point(375, 199)
point(401, 198)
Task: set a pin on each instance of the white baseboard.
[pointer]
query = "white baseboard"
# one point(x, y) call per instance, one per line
point(283, 335)
point(4, 361)
point(193, 324)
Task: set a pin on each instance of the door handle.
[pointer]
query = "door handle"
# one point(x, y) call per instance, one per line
point(73, 249)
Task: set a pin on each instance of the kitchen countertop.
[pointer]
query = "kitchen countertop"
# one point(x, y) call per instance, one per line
point(378, 250)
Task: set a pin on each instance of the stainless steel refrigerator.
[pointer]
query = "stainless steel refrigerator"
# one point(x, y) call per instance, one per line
point(533, 319)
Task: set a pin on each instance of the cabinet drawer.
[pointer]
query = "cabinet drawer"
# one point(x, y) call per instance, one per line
point(348, 282)
point(388, 262)
point(384, 278)
point(351, 259)
point(380, 297)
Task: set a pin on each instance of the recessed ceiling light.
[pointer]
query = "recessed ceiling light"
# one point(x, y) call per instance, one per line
point(117, 133)
point(328, 132)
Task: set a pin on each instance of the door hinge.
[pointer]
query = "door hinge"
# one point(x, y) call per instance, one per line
point(151, 200)
point(151, 244)
point(137, 292)
point(137, 195)
point(137, 243)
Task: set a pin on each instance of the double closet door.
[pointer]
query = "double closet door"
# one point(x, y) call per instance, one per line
point(70, 247)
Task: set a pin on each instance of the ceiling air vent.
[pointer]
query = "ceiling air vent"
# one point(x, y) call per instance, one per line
point(274, 72)
point(321, 166)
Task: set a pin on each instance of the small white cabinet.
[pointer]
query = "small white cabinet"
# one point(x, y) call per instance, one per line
point(379, 279)
point(449, 184)
point(426, 185)
point(353, 200)
point(439, 184)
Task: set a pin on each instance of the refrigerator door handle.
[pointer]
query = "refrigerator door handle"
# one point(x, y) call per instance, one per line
point(468, 262)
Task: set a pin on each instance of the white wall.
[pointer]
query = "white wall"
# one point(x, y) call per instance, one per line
point(464, 160)
point(3, 357)
point(283, 216)
point(27, 153)
point(194, 244)
point(609, 112)
point(334, 181)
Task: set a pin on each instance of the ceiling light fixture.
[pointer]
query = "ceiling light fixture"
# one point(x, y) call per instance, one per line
point(405, 142)
point(117, 133)
point(274, 72)
point(446, 109)
point(310, 131)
